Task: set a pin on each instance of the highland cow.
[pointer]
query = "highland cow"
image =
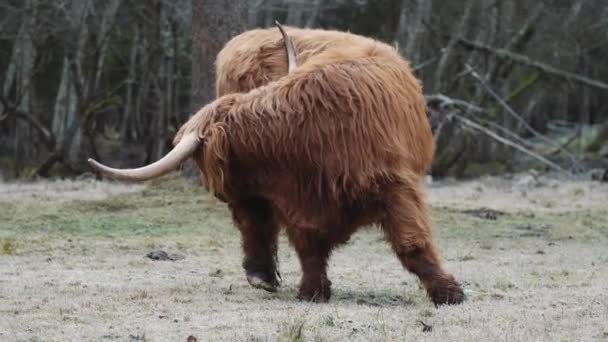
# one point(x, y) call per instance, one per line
point(338, 141)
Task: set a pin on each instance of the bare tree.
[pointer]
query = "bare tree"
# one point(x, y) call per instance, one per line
point(81, 77)
point(18, 81)
point(411, 29)
point(214, 22)
point(448, 52)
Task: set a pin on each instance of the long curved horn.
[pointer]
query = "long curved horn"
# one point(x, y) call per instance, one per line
point(289, 48)
point(184, 149)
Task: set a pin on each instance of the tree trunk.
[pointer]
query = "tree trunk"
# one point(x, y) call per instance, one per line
point(442, 66)
point(127, 118)
point(214, 22)
point(16, 87)
point(411, 30)
point(65, 104)
point(109, 15)
point(295, 13)
point(314, 14)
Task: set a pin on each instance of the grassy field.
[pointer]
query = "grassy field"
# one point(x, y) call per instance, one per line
point(73, 268)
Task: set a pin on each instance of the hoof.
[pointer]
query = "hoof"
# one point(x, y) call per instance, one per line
point(315, 293)
point(448, 294)
point(258, 281)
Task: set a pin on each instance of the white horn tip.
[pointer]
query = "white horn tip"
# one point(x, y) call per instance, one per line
point(95, 164)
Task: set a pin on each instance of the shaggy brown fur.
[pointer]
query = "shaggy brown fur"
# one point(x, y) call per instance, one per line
point(339, 143)
point(257, 57)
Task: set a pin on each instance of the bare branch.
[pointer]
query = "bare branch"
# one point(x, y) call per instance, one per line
point(76, 78)
point(525, 60)
point(4, 109)
point(512, 112)
point(448, 51)
point(508, 142)
point(32, 120)
point(424, 64)
point(446, 101)
point(526, 28)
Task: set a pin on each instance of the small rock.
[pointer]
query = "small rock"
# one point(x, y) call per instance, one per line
point(498, 296)
point(531, 234)
point(523, 227)
point(530, 230)
point(110, 337)
point(540, 251)
point(484, 213)
point(160, 255)
point(528, 181)
point(217, 273)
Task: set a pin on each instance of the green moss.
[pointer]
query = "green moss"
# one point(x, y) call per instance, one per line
point(160, 209)
point(7, 247)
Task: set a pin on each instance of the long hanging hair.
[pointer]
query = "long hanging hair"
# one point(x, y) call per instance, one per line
point(358, 101)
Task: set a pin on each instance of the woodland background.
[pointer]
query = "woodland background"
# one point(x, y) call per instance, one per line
point(510, 84)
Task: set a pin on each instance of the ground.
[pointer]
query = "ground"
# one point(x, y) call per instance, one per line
point(73, 267)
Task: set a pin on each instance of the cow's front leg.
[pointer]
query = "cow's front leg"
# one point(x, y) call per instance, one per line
point(259, 233)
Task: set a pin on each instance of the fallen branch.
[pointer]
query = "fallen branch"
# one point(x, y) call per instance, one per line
point(526, 28)
point(446, 101)
point(506, 132)
point(525, 60)
point(424, 64)
point(45, 167)
point(514, 114)
point(508, 142)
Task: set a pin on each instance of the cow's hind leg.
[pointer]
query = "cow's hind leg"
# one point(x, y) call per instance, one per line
point(259, 233)
point(313, 250)
point(408, 229)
